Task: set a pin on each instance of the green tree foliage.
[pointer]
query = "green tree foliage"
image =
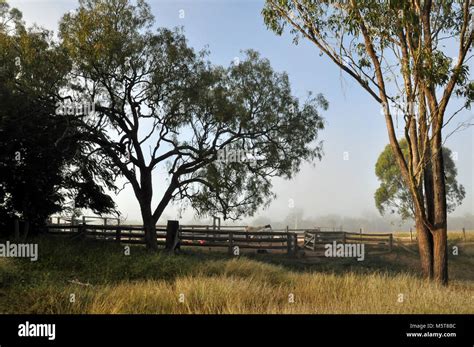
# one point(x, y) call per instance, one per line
point(44, 161)
point(393, 194)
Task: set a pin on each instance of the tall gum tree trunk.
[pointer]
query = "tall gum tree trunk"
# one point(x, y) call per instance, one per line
point(440, 235)
point(429, 213)
point(424, 237)
point(441, 255)
point(425, 246)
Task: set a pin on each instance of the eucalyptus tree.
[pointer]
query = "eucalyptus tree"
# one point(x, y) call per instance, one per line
point(219, 134)
point(395, 51)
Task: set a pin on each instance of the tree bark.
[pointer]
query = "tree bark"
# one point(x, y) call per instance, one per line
point(149, 225)
point(425, 247)
point(441, 255)
point(440, 235)
point(424, 237)
point(144, 195)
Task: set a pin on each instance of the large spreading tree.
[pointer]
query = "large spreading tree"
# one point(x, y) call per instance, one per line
point(221, 133)
point(395, 51)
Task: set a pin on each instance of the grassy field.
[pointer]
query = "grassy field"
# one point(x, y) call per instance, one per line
point(101, 279)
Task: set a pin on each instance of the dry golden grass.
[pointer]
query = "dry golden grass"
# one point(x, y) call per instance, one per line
point(144, 283)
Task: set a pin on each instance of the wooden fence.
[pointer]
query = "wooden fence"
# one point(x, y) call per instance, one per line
point(229, 237)
point(93, 220)
point(195, 236)
point(315, 240)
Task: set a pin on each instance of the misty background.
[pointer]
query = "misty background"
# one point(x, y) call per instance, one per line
point(336, 192)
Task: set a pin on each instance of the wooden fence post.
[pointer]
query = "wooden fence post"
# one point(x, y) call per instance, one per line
point(411, 235)
point(172, 235)
point(344, 237)
point(231, 243)
point(291, 243)
point(118, 234)
point(81, 231)
point(464, 233)
point(390, 243)
point(214, 225)
point(288, 242)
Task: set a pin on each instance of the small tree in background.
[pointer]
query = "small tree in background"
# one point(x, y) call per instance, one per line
point(394, 196)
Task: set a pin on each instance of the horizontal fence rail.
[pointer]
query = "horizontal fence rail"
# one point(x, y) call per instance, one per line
point(316, 241)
